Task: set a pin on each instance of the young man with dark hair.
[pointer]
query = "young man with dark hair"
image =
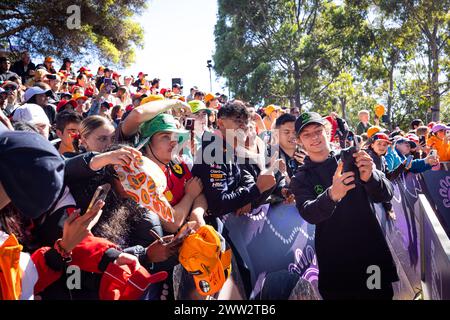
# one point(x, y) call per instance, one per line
point(287, 143)
point(225, 187)
point(67, 124)
point(5, 73)
point(353, 256)
point(199, 95)
point(414, 125)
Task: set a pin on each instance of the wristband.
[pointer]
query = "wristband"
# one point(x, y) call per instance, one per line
point(66, 255)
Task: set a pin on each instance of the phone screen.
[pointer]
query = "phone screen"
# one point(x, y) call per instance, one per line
point(100, 194)
point(189, 123)
point(422, 140)
point(408, 161)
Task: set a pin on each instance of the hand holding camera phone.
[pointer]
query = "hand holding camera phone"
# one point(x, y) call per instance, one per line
point(347, 158)
point(108, 84)
point(184, 231)
point(100, 194)
point(189, 124)
point(408, 161)
point(422, 141)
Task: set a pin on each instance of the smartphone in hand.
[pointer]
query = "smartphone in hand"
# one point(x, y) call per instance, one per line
point(189, 124)
point(422, 141)
point(100, 194)
point(184, 231)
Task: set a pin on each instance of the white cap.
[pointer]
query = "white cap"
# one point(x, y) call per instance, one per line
point(31, 113)
point(34, 91)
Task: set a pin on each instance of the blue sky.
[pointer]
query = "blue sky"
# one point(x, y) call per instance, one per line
point(179, 39)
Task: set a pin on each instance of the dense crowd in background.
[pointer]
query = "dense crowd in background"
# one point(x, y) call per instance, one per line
point(171, 165)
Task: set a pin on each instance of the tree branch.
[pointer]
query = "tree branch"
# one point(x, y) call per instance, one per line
point(13, 31)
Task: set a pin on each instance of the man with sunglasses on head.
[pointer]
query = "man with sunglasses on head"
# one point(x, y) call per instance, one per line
point(353, 256)
point(10, 93)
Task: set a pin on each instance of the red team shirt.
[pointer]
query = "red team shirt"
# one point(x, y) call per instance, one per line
point(177, 175)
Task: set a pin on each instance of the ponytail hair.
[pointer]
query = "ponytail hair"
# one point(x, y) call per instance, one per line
point(87, 126)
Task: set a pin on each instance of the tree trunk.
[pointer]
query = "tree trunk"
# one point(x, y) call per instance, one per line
point(435, 96)
point(343, 101)
point(296, 75)
point(391, 89)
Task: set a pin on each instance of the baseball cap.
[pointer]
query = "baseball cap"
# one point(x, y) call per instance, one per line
point(31, 171)
point(31, 113)
point(49, 59)
point(206, 257)
point(209, 97)
point(414, 138)
point(161, 123)
point(142, 74)
point(381, 136)
point(152, 97)
point(406, 140)
point(177, 85)
point(67, 60)
point(307, 118)
point(271, 108)
point(178, 97)
point(121, 283)
point(63, 102)
point(34, 91)
point(197, 106)
point(77, 96)
point(10, 85)
point(2, 90)
point(372, 130)
point(438, 127)
point(106, 104)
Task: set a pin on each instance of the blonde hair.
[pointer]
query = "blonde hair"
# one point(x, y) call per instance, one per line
point(92, 123)
point(422, 131)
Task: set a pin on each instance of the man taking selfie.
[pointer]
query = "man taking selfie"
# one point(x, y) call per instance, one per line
point(353, 256)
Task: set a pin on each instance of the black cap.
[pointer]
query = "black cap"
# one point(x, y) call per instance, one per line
point(67, 60)
point(31, 171)
point(307, 118)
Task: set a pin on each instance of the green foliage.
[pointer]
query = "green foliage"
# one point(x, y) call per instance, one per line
point(338, 56)
point(106, 29)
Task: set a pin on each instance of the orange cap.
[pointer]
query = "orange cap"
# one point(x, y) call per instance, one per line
point(204, 255)
point(209, 97)
point(79, 96)
point(152, 97)
point(372, 130)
